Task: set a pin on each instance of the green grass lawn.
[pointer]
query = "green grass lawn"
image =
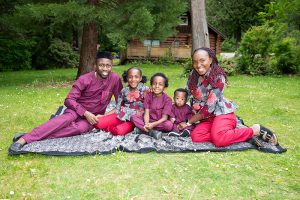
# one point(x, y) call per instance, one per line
point(28, 98)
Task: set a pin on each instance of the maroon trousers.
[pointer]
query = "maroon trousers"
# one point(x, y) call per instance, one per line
point(65, 125)
point(110, 123)
point(221, 130)
point(138, 121)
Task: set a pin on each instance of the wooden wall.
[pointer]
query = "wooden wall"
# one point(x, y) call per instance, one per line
point(136, 48)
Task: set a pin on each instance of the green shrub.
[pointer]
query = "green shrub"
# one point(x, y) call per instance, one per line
point(187, 67)
point(228, 65)
point(286, 58)
point(253, 55)
point(16, 54)
point(62, 54)
point(269, 50)
point(167, 59)
point(229, 45)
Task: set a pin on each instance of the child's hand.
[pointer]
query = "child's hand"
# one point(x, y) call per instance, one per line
point(150, 126)
point(172, 119)
point(182, 126)
point(146, 127)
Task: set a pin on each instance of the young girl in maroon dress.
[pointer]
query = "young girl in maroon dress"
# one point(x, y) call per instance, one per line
point(130, 102)
point(158, 107)
point(181, 113)
point(215, 113)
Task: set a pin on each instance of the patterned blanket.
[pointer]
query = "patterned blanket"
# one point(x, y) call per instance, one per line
point(100, 142)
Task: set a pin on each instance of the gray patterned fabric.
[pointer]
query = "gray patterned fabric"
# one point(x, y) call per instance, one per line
point(100, 142)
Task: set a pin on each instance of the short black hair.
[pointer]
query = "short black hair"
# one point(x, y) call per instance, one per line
point(182, 90)
point(104, 54)
point(125, 74)
point(161, 75)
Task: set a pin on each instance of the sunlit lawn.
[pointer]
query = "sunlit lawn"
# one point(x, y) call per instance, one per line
point(28, 98)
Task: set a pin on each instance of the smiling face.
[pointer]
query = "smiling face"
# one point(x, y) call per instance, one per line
point(134, 77)
point(201, 62)
point(103, 67)
point(180, 98)
point(158, 85)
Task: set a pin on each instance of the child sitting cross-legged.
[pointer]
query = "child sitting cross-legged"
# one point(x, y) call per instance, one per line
point(158, 107)
point(130, 102)
point(181, 113)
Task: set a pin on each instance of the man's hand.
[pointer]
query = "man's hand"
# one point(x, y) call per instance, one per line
point(92, 119)
point(172, 119)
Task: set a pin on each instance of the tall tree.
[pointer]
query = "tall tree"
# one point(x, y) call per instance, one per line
point(233, 17)
point(117, 20)
point(89, 45)
point(199, 24)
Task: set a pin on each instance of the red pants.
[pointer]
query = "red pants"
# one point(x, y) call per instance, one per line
point(221, 130)
point(110, 123)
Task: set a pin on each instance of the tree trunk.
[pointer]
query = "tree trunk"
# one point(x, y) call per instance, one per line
point(199, 24)
point(88, 49)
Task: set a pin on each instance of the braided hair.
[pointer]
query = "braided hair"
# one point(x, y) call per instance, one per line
point(215, 71)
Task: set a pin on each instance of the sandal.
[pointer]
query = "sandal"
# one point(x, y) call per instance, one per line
point(266, 135)
point(255, 141)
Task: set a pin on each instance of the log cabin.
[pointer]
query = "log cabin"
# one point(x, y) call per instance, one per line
point(178, 46)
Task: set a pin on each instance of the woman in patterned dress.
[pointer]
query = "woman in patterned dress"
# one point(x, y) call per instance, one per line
point(215, 113)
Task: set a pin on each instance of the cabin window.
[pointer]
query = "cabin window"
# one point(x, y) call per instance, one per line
point(153, 43)
point(147, 43)
point(176, 43)
point(184, 20)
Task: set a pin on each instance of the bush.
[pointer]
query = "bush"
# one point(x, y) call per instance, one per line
point(269, 50)
point(286, 58)
point(62, 54)
point(253, 54)
point(229, 45)
point(228, 65)
point(187, 67)
point(16, 54)
point(167, 59)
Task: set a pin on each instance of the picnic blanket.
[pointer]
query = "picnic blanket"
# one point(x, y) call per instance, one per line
point(100, 142)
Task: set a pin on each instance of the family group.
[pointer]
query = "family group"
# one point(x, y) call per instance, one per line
point(209, 117)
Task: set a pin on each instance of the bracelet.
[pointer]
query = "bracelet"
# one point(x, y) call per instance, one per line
point(188, 123)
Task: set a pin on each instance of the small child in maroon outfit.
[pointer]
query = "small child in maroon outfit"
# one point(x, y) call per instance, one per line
point(181, 113)
point(158, 107)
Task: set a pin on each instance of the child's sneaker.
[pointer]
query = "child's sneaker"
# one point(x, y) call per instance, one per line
point(155, 134)
point(185, 133)
point(136, 130)
point(173, 133)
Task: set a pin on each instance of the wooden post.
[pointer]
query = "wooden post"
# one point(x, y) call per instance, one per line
point(200, 33)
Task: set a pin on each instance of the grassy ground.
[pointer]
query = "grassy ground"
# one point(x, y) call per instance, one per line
point(28, 98)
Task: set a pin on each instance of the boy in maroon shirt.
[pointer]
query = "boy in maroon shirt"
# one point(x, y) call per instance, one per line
point(180, 114)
